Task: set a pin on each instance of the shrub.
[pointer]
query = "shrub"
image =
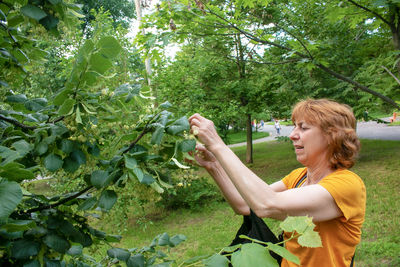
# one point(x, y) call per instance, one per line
point(191, 194)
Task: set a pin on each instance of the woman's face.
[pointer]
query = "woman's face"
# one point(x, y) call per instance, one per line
point(311, 147)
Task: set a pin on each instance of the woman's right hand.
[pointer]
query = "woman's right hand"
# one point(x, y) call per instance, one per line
point(205, 131)
point(205, 158)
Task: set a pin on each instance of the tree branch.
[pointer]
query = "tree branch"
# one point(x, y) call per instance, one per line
point(63, 201)
point(359, 86)
point(391, 74)
point(370, 11)
point(145, 131)
point(17, 123)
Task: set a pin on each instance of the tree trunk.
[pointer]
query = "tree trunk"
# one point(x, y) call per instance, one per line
point(249, 146)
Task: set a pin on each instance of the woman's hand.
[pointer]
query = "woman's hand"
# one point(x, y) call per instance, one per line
point(205, 158)
point(205, 131)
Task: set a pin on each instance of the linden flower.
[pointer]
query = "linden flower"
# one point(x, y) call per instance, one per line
point(180, 184)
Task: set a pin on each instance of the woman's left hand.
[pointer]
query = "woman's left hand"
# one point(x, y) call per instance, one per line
point(205, 131)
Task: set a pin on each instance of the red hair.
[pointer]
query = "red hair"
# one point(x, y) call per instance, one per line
point(338, 125)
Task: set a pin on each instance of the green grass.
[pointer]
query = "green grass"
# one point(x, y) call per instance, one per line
point(214, 226)
point(286, 123)
point(240, 136)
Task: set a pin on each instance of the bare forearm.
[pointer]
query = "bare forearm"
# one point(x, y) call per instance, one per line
point(228, 190)
point(258, 195)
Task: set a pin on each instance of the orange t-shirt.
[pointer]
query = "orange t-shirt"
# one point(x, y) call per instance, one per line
point(339, 236)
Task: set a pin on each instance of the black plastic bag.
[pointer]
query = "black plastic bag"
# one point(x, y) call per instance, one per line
point(254, 227)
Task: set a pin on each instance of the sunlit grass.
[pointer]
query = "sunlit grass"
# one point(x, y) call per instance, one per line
point(235, 137)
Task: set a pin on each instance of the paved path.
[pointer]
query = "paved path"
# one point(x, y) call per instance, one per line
point(365, 130)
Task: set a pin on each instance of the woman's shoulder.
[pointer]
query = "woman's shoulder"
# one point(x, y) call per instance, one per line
point(291, 179)
point(343, 181)
point(346, 175)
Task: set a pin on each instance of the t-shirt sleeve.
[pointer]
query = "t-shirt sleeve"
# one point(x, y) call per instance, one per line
point(348, 191)
point(290, 179)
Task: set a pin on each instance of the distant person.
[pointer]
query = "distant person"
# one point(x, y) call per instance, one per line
point(326, 144)
point(365, 115)
point(393, 119)
point(277, 127)
point(262, 124)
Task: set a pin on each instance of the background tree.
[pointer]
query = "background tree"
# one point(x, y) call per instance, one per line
point(333, 52)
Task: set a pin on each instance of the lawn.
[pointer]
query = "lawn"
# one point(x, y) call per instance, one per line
point(213, 227)
point(235, 137)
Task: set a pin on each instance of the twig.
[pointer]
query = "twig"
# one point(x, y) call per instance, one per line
point(65, 200)
point(391, 74)
point(17, 123)
point(146, 130)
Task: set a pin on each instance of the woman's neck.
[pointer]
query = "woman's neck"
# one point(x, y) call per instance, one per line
point(314, 175)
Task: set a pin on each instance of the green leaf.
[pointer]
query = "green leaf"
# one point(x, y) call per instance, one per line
point(147, 179)
point(10, 197)
point(165, 105)
point(163, 240)
point(107, 199)
point(36, 104)
point(216, 260)
point(300, 224)
point(22, 147)
point(16, 98)
point(53, 162)
point(57, 243)
point(157, 187)
point(66, 107)
point(113, 238)
point(67, 146)
point(20, 225)
point(49, 22)
point(75, 250)
point(78, 156)
point(130, 162)
point(32, 263)
point(138, 173)
point(252, 254)
point(109, 47)
point(177, 239)
point(187, 145)
point(8, 155)
point(310, 239)
point(137, 260)
point(157, 136)
point(99, 63)
point(88, 204)
point(283, 252)
point(16, 172)
point(23, 249)
point(61, 97)
point(178, 126)
point(99, 179)
point(41, 148)
point(70, 165)
point(119, 253)
point(78, 117)
point(33, 12)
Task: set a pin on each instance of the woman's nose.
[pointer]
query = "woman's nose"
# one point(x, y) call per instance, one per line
point(293, 135)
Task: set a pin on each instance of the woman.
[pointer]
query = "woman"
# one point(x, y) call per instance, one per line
point(326, 143)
